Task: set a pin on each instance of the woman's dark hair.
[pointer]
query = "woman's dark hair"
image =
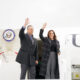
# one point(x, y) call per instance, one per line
point(55, 38)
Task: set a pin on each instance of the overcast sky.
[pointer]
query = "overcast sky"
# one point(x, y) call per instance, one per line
point(59, 13)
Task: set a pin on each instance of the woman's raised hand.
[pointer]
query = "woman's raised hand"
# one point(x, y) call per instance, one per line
point(44, 25)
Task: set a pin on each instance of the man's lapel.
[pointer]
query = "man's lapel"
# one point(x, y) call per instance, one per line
point(28, 38)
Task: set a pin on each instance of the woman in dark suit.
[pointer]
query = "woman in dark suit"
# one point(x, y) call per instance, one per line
point(51, 49)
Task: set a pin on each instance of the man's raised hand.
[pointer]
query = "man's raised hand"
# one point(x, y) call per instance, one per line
point(26, 22)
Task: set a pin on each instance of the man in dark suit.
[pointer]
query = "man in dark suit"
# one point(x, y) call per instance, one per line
point(28, 53)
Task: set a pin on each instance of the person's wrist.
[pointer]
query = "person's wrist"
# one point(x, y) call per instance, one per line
point(43, 28)
point(24, 25)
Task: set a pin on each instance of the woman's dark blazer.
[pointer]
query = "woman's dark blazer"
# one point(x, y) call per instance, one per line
point(46, 53)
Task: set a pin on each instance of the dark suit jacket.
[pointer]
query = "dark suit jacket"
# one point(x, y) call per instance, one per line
point(28, 52)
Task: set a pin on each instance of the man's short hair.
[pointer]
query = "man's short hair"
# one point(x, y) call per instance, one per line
point(29, 26)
